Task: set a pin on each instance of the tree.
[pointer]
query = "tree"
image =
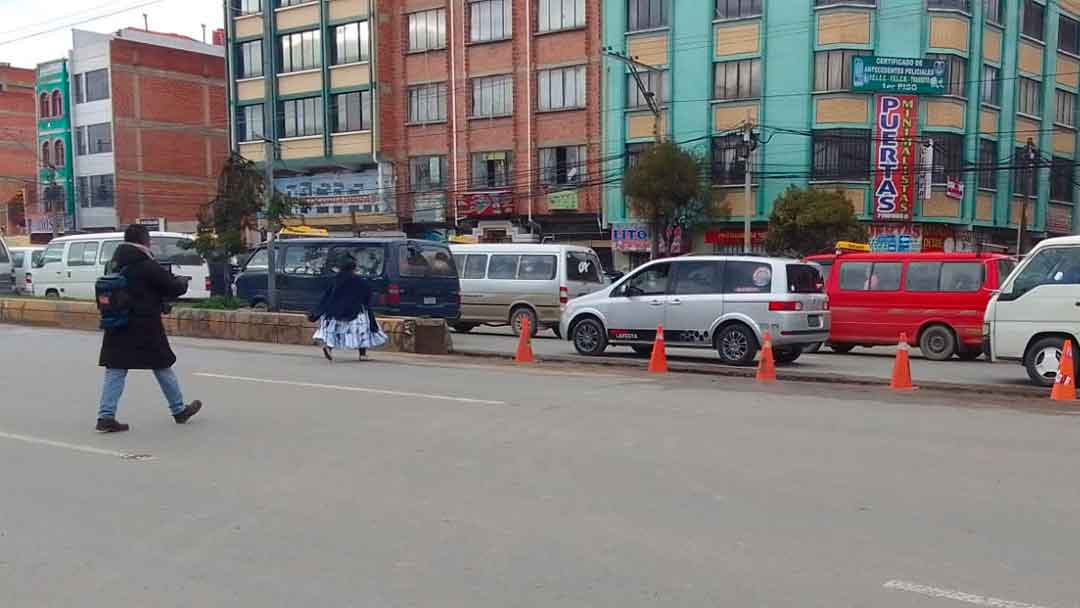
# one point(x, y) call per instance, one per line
point(666, 189)
point(805, 222)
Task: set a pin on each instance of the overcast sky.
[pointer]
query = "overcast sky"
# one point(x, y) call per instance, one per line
point(44, 26)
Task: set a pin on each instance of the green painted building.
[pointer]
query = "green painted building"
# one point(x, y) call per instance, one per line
point(56, 185)
point(1009, 71)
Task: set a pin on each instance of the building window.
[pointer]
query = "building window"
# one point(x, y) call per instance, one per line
point(737, 79)
point(561, 14)
point(849, 2)
point(992, 8)
point(737, 9)
point(95, 191)
point(490, 20)
point(955, 70)
point(493, 96)
point(728, 166)
point(300, 51)
point(247, 7)
point(93, 139)
point(59, 157)
point(646, 14)
point(634, 152)
point(1062, 187)
point(562, 166)
point(841, 154)
point(57, 104)
point(46, 154)
point(491, 170)
point(302, 117)
point(249, 123)
point(352, 43)
point(655, 82)
point(284, 3)
point(427, 173)
point(351, 111)
point(1027, 97)
point(46, 107)
point(427, 30)
point(948, 156)
point(427, 103)
point(1033, 19)
point(987, 164)
point(250, 62)
point(561, 88)
point(92, 86)
point(956, 5)
point(991, 86)
point(1069, 35)
point(832, 70)
point(1065, 108)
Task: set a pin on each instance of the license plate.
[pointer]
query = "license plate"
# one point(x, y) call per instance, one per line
point(814, 321)
point(430, 300)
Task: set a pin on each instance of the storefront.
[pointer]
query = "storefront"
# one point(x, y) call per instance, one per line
point(632, 244)
point(920, 238)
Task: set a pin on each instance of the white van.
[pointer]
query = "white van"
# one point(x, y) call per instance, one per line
point(5, 266)
point(22, 264)
point(507, 284)
point(71, 265)
point(1037, 309)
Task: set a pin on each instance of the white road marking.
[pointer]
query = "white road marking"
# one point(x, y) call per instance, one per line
point(960, 596)
point(86, 449)
point(354, 389)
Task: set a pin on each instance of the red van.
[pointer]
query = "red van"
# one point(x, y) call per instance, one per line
point(937, 299)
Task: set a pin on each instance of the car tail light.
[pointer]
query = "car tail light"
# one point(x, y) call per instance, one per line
point(564, 296)
point(207, 284)
point(393, 295)
point(825, 306)
point(785, 306)
point(29, 279)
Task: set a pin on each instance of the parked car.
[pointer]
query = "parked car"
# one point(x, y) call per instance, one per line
point(937, 299)
point(70, 265)
point(410, 278)
point(509, 284)
point(5, 264)
point(720, 302)
point(22, 265)
point(1037, 309)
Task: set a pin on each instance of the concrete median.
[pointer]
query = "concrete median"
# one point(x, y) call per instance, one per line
point(407, 335)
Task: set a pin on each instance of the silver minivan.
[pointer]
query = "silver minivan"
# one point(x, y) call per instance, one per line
point(722, 302)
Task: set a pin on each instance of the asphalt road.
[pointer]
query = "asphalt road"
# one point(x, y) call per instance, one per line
point(865, 362)
point(412, 481)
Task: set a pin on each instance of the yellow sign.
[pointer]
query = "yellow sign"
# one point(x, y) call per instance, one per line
point(303, 231)
point(849, 246)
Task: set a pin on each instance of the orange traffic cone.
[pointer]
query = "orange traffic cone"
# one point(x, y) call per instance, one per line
point(524, 348)
point(766, 371)
point(1065, 383)
point(901, 375)
point(658, 360)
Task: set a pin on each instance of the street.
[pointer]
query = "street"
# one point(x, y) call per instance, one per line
point(446, 481)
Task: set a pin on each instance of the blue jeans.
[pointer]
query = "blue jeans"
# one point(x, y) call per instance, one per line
point(114, 388)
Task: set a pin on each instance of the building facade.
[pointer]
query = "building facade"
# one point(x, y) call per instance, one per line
point(135, 131)
point(17, 157)
point(300, 88)
point(491, 115)
point(1006, 69)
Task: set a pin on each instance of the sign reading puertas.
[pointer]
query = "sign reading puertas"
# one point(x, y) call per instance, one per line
point(894, 157)
point(911, 75)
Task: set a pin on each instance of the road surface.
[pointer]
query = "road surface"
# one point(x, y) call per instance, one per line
point(412, 481)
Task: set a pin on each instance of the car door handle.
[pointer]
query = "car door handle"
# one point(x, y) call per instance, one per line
point(656, 303)
point(676, 302)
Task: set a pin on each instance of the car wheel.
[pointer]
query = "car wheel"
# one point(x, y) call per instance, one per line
point(52, 294)
point(736, 344)
point(589, 337)
point(518, 316)
point(938, 343)
point(555, 330)
point(463, 328)
point(786, 354)
point(1043, 359)
point(841, 349)
point(812, 348)
point(260, 306)
point(642, 350)
point(969, 355)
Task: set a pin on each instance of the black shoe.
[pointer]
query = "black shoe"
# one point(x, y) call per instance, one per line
point(363, 354)
point(190, 410)
point(110, 425)
point(328, 353)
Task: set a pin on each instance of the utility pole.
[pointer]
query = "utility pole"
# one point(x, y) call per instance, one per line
point(749, 210)
point(649, 96)
point(269, 129)
point(1029, 191)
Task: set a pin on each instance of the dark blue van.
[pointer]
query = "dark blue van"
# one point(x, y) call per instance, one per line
point(410, 278)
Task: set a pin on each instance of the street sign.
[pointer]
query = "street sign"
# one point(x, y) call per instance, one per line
point(873, 74)
point(896, 119)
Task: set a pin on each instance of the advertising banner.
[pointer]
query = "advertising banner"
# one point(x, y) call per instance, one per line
point(496, 203)
point(896, 117)
point(635, 237)
point(911, 75)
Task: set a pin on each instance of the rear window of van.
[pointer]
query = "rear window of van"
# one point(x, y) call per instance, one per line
point(804, 278)
point(429, 261)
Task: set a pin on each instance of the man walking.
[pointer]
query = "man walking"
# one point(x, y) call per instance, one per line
point(142, 344)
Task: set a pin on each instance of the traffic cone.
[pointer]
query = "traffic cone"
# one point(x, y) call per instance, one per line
point(658, 360)
point(524, 348)
point(766, 371)
point(1065, 383)
point(901, 375)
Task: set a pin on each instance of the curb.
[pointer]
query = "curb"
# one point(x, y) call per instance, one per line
point(705, 369)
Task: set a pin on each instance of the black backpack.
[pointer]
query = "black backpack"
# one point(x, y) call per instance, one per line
point(114, 300)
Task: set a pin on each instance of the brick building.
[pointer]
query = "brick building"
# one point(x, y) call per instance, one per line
point(17, 158)
point(139, 133)
point(490, 113)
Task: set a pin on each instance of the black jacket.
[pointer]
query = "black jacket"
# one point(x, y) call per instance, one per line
point(347, 297)
point(142, 344)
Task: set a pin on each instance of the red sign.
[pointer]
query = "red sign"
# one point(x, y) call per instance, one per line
point(733, 238)
point(896, 117)
point(955, 188)
point(497, 203)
